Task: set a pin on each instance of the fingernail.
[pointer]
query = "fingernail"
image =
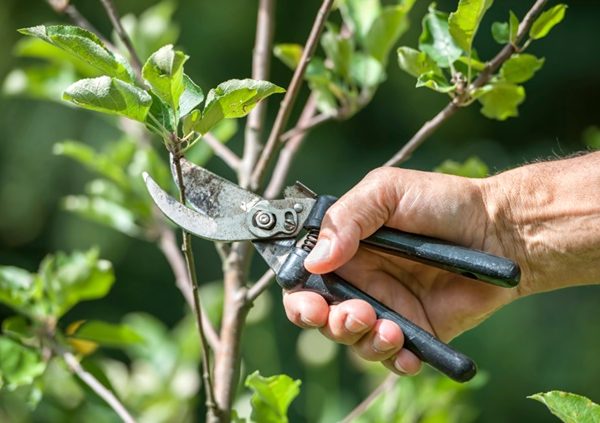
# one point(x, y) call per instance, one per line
point(354, 325)
point(308, 322)
point(399, 367)
point(320, 252)
point(380, 344)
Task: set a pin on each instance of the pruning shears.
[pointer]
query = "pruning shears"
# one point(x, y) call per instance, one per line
point(284, 231)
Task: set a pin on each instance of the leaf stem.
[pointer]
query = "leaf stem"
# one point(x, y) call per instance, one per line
point(113, 15)
point(291, 94)
point(484, 77)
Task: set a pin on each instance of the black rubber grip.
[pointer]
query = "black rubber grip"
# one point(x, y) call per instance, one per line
point(471, 263)
point(424, 345)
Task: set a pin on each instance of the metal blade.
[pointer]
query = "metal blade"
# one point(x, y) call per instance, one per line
point(212, 195)
point(227, 228)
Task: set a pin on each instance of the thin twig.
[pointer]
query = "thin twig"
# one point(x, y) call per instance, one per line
point(95, 385)
point(261, 64)
point(186, 248)
point(287, 154)
point(113, 15)
point(222, 151)
point(491, 67)
point(62, 7)
point(168, 246)
point(260, 286)
point(385, 386)
point(292, 93)
point(302, 128)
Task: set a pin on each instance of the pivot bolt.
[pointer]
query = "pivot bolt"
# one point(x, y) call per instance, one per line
point(264, 220)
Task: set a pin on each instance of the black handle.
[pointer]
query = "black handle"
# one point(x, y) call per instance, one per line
point(471, 263)
point(424, 345)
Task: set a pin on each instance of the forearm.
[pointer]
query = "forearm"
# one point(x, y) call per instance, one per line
point(547, 217)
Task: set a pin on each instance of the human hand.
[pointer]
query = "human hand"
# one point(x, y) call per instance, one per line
point(443, 303)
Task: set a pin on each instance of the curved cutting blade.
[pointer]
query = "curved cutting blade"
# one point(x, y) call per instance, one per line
point(225, 228)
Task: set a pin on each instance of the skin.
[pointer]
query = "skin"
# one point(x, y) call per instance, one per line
point(545, 216)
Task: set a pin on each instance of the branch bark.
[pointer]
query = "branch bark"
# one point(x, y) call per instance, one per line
point(385, 386)
point(113, 15)
point(96, 386)
point(222, 151)
point(484, 77)
point(289, 99)
point(260, 286)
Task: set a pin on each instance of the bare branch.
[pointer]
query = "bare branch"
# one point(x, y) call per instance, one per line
point(289, 151)
point(303, 127)
point(260, 286)
point(385, 386)
point(62, 7)
point(113, 15)
point(484, 77)
point(186, 248)
point(261, 64)
point(291, 94)
point(95, 385)
point(168, 245)
point(222, 151)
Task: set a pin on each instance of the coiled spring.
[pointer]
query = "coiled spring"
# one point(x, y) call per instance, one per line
point(310, 240)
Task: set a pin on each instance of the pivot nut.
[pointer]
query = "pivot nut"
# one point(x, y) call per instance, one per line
point(264, 220)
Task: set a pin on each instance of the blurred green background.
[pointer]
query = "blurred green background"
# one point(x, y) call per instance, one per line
point(537, 344)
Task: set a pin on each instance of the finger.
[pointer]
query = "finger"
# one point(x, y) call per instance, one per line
point(381, 343)
point(349, 321)
point(306, 309)
point(404, 363)
point(356, 215)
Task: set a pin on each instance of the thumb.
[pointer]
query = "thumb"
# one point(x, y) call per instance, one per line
point(355, 216)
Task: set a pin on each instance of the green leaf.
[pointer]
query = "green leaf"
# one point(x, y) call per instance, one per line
point(473, 167)
point(105, 212)
point(110, 95)
point(19, 365)
point(164, 72)
point(289, 54)
point(570, 408)
point(435, 82)
point(18, 328)
point(520, 67)
point(69, 279)
point(416, 62)
point(85, 46)
point(46, 82)
point(339, 50)
point(359, 15)
point(366, 71)
point(96, 162)
point(272, 396)
point(500, 100)
point(385, 31)
point(18, 288)
point(463, 23)
point(107, 334)
point(192, 96)
point(160, 117)
point(591, 137)
point(233, 99)
point(506, 32)
point(546, 21)
point(436, 41)
point(471, 62)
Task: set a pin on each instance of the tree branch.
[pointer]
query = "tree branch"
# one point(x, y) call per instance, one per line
point(290, 149)
point(484, 77)
point(303, 127)
point(260, 286)
point(113, 15)
point(291, 94)
point(222, 151)
point(261, 64)
point(385, 386)
point(95, 385)
point(168, 245)
point(186, 248)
